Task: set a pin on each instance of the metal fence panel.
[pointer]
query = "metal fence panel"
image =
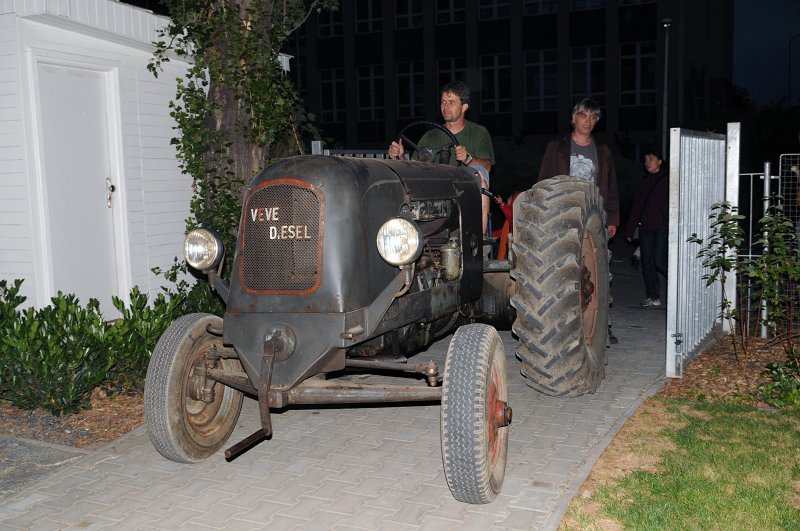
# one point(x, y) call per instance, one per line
point(789, 175)
point(697, 181)
point(757, 193)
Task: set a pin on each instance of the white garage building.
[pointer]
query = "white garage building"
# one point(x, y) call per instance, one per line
point(91, 195)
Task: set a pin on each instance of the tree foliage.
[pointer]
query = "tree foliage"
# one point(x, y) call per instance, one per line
point(235, 103)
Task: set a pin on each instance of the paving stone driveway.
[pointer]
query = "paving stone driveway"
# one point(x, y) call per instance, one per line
point(361, 467)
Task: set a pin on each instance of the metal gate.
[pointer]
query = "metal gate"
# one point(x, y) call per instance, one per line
point(704, 170)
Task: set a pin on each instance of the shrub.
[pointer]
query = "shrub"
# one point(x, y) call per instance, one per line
point(54, 356)
point(783, 390)
point(767, 280)
point(762, 281)
point(132, 338)
point(195, 298)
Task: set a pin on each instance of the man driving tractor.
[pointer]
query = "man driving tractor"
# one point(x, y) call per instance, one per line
point(474, 147)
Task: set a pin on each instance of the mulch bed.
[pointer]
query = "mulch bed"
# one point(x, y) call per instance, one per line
point(718, 374)
point(108, 418)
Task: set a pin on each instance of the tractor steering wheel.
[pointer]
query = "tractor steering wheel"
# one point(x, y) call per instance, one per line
point(427, 154)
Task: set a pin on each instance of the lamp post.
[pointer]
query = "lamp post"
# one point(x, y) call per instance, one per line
point(789, 92)
point(667, 24)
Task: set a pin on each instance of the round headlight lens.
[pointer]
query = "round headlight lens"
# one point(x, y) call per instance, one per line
point(399, 242)
point(203, 249)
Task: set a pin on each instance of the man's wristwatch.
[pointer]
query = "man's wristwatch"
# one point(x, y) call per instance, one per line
point(468, 160)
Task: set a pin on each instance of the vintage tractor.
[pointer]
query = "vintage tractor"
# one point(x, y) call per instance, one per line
point(350, 264)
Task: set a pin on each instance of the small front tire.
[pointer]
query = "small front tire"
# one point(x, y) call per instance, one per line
point(475, 414)
point(181, 427)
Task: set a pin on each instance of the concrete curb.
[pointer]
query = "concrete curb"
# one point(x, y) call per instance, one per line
point(554, 520)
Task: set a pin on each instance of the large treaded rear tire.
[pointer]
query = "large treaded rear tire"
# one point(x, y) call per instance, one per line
point(183, 429)
point(475, 414)
point(562, 292)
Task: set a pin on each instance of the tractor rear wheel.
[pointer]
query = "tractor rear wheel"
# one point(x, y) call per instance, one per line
point(562, 292)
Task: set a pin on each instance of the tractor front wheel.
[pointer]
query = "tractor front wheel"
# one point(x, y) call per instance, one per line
point(475, 414)
point(188, 417)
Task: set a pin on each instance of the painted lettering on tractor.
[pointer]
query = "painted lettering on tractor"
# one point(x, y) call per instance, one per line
point(289, 232)
point(264, 214)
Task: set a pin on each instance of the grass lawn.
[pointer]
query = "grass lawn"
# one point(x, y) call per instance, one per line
point(679, 464)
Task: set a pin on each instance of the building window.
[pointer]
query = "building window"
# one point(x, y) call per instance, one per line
point(580, 5)
point(451, 69)
point(495, 83)
point(300, 72)
point(541, 80)
point(332, 95)
point(539, 7)
point(410, 90)
point(408, 14)
point(370, 92)
point(491, 9)
point(589, 73)
point(637, 71)
point(450, 11)
point(329, 24)
point(368, 16)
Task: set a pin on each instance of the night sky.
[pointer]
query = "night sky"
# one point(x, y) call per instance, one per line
point(762, 30)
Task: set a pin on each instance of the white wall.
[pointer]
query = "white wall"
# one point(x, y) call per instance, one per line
point(156, 195)
point(16, 238)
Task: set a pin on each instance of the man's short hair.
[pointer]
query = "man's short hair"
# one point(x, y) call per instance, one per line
point(655, 153)
point(458, 88)
point(587, 106)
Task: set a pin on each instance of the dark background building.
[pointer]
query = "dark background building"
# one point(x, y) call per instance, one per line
point(374, 66)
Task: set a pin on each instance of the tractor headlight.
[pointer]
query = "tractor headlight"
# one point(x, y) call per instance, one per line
point(203, 249)
point(399, 242)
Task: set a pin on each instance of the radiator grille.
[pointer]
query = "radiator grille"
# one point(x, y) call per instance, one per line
point(281, 239)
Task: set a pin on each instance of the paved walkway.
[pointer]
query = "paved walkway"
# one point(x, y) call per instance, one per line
point(362, 467)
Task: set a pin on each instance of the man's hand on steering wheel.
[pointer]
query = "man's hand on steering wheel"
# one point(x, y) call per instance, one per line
point(427, 154)
point(396, 149)
point(462, 155)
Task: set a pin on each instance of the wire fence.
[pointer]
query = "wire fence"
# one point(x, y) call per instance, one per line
point(757, 192)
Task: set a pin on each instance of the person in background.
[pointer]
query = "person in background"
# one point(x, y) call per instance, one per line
point(650, 215)
point(507, 208)
point(475, 144)
point(502, 234)
point(581, 155)
point(636, 255)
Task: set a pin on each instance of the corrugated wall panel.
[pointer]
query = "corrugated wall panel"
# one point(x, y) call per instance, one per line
point(166, 191)
point(697, 181)
point(116, 18)
point(16, 250)
point(147, 165)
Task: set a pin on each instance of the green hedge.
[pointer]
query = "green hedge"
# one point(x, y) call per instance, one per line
point(53, 357)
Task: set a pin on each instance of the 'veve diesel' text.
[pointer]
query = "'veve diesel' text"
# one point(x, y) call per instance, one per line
point(279, 232)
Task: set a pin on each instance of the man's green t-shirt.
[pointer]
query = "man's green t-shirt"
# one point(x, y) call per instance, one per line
point(474, 137)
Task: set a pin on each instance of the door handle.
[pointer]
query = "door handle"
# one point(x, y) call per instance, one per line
point(109, 190)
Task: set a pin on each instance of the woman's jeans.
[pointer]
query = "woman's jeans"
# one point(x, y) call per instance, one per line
point(653, 245)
